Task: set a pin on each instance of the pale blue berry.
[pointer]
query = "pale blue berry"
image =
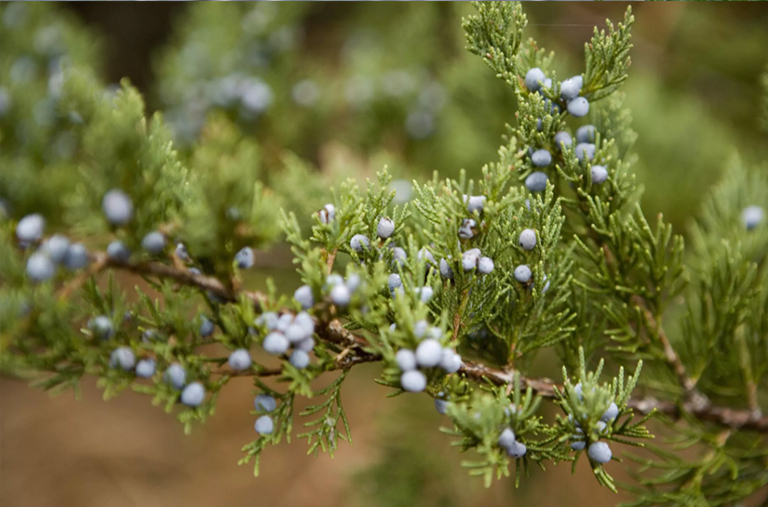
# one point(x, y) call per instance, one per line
point(467, 229)
point(599, 174)
point(264, 425)
point(117, 251)
point(536, 181)
point(306, 322)
point(475, 203)
point(534, 78)
point(570, 88)
point(611, 413)
point(398, 257)
point(327, 214)
point(295, 333)
point(578, 445)
point(123, 358)
point(240, 360)
point(426, 293)
point(354, 281)
point(405, 359)
point(265, 402)
point(441, 406)
point(145, 368)
point(193, 394)
point(77, 257)
point(304, 297)
point(527, 239)
point(600, 452)
point(181, 252)
point(195, 271)
point(340, 295)
point(578, 107)
point(276, 343)
point(541, 158)
point(469, 259)
point(563, 139)
point(600, 425)
point(385, 228)
point(299, 359)
point(546, 285)
point(450, 361)
point(245, 258)
point(413, 381)
point(420, 328)
point(523, 273)
point(579, 391)
point(485, 265)
point(40, 267)
point(429, 353)
point(284, 322)
point(359, 243)
point(585, 151)
point(175, 375)
point(752, 216)
point(507, 438)
point(30, 228)
point(56, 247)
point(268, 320)
point(101, 327)
point(394, 281)
point(153, 242)
point(445, 269)
point(117, 207)
point(425, 254)
point(206, 327)
point(307, 344)
point(586, 134)
point(517, 449)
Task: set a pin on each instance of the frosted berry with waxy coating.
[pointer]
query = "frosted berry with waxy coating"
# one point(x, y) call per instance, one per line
point(398, 256)
point(527, 239)
point(541, 158)
point(585, 151)
point(181, 252)
point(425, 254)
point(507, 438)
point(77, 257)
point(206, 327)
point(333, 280)
point(56, 247)
point(445, 269)
point(450, 361)
point(586, 134)
point(264, 402)
point(40, 267)
point(245, 258)
point(175, 375)
point(327, 214)
point(304, 297)
point(429, 353)
point(467, 229)
point(570, 88)
point(240, 360)
point(30, 228)
point(268, 320)
point(534, 79)
point(306, 322)
point(153, 242)
point(441, 406)
point(426, 293)
point(420, 328)
point(299, 359)
point(611, 413)
point(394, 281)
point(600, 452)
point(307, 344)
point(578, 445)
point(359, 243)
point(536, 181)
point(264, 425)
point(413, 381)
point(284, 322)
point(117, 251)
point(117, 207)
point(484, 265)
point(353, 281)
point(752, 216)
point(523, 273)
point(340, 295)
point(599, 174)
point(193, 394)
point(145, 368)
point(405, 359)
point(579, 391)
point(385, 228)
point(563, 138)
point(123, 358)
point(475, 203)
point(578, 107)
point(101, 327)
point(295, 333)
point(276, 343)
point(600, 425)
point(469, 259)
point(517, 449)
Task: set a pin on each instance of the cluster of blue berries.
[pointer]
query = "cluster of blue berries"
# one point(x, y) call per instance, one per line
point(264, 403)
point(288, 331)
point(599, 451)
point(428, 354)
point(42, 264)
point(509, 443)
point(535, 81)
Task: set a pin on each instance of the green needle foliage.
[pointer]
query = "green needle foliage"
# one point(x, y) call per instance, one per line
point(605, 289)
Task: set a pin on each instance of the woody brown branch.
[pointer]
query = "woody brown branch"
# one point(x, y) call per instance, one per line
point(358, 352)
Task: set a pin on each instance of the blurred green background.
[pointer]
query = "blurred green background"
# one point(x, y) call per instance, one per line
point(350, 87)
